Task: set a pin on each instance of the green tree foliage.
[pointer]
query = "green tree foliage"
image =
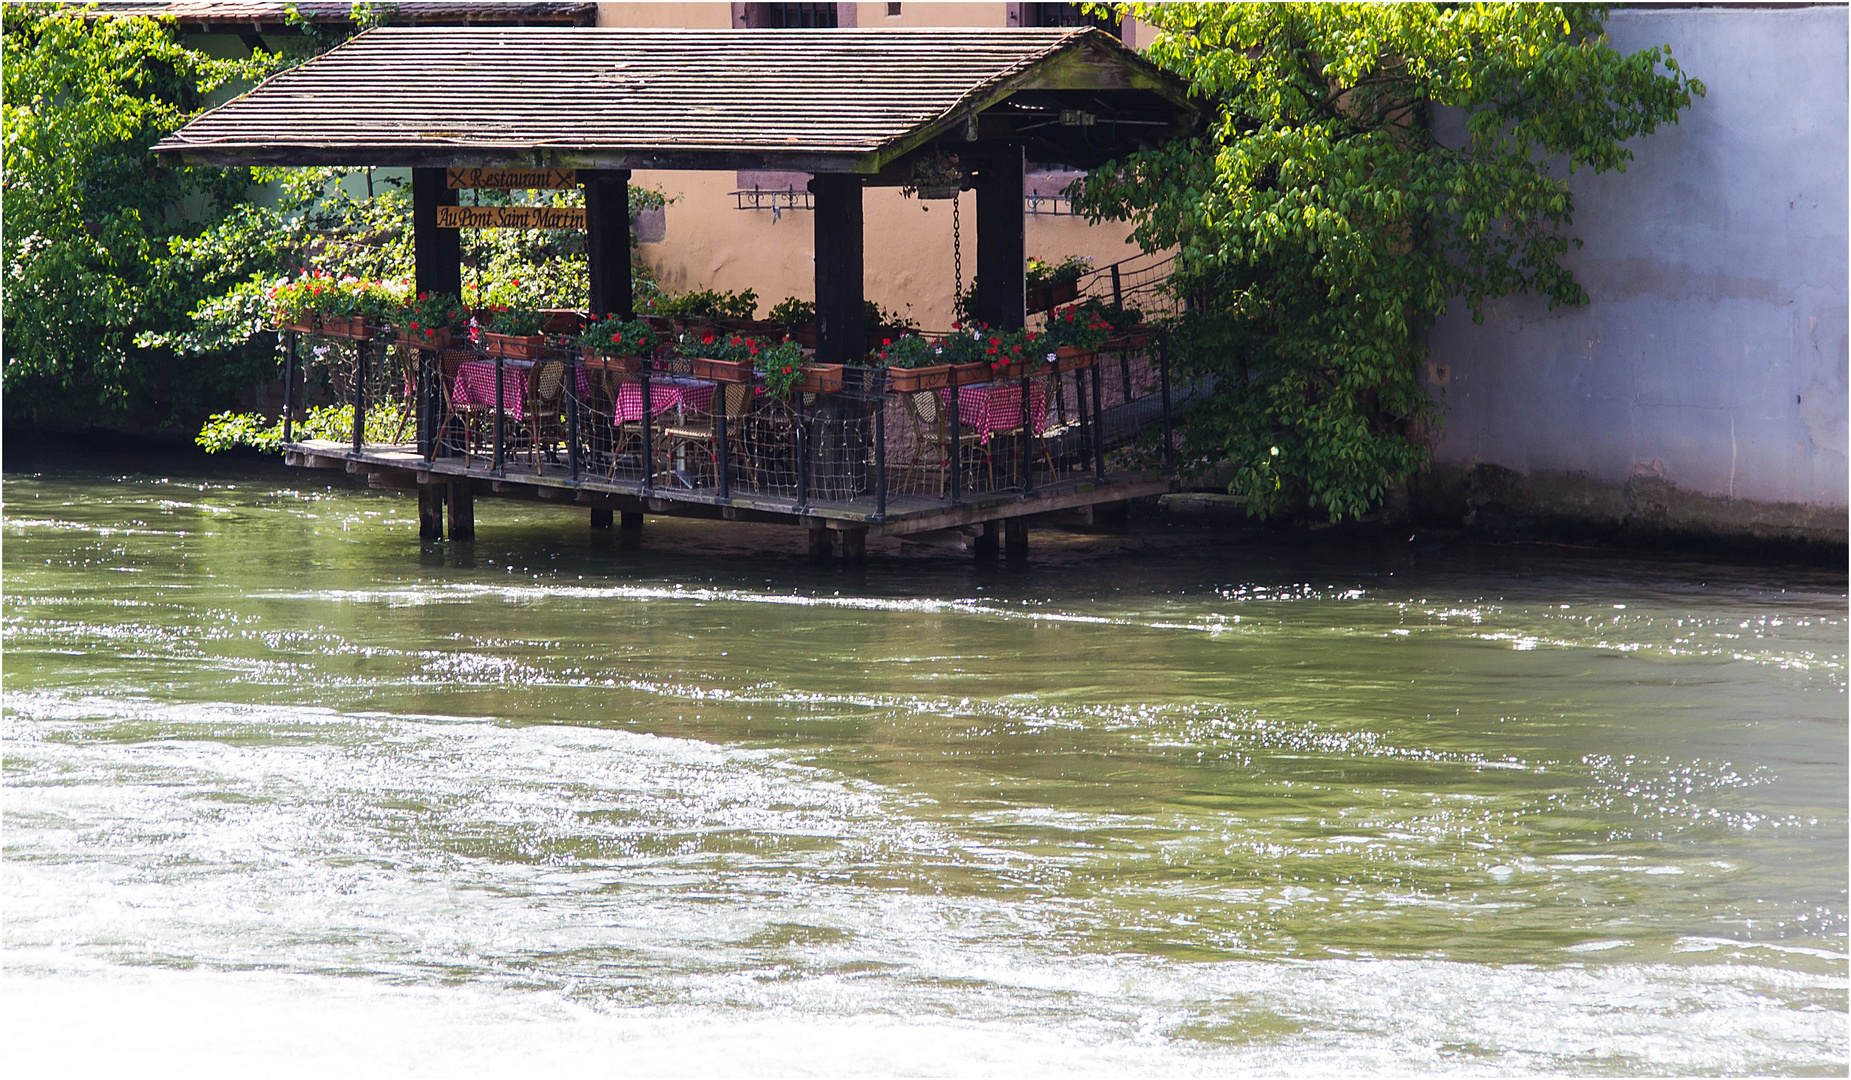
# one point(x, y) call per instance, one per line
point(1325, 220)
point(92, 223)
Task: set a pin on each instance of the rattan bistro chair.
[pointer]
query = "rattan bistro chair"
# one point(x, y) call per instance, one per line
point(931, 428)
point(693, 437)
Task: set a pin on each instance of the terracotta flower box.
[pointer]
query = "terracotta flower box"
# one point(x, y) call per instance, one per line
point(563, 321)
point(1008, 371)
point(912, 380)
point(600, 362)
point(1131, 342)
point(1043, 297)
point(301, 326)
point(426, 339)
point(351, 327)
point(512, 347)
point(725, 371)
point(970, 374)
point(1068, 358)
point(821, 379)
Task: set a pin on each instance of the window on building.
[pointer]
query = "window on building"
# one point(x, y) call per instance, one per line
point(1069, 15)
point(785, 16)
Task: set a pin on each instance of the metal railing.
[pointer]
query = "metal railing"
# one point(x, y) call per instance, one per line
point(667, 428)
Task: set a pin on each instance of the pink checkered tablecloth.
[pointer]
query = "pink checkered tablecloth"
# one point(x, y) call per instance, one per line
point(997, 406)
point(665, 393)
point(475, 385)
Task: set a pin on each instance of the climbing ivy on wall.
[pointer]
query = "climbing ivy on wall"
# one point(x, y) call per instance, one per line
point(1366, 166)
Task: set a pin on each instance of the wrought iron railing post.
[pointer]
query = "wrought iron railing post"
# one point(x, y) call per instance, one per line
point(649, 454)
point(572, 459)
point(501, 410)
point(722, 469)
point(289, 384)
point(1118, 293)
point(359, 395)
point(880, 443)
point(803, 455)
point(1098, 426)
point(1163, 377)
point(1028, 452)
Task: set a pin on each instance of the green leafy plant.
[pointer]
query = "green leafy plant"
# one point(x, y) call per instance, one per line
point(515, 320)
point(1324, 221)
point(715, 345)
point(426, 316)
point(911, 351)
point(1076, 326)
point(385, 420)
point(780, 365)
point(1042, 272)
point(791, 311)
point(706, 303)
point(617, 337)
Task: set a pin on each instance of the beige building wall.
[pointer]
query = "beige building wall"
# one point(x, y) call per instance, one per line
point(708, 244)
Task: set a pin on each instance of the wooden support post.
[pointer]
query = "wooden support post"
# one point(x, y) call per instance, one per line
point(822, 543)
point(430, 511)
point(854, 545)
point(462, 510)
point(437, 254)
point(986, 542)
point(631, 520)
point(289, 384)
point(1002, 265)
point(841, 331)
point(359, 396)
point(1015, 539)
point(601, 517)
point(607, 241)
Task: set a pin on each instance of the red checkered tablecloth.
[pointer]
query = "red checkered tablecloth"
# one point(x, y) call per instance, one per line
point(665, 393)
point(992, 407)
point(475, 385)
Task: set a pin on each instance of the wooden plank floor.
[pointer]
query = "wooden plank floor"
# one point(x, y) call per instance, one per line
point(906, 514)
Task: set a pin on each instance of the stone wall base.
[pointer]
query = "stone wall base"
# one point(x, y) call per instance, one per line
point(1647, 508)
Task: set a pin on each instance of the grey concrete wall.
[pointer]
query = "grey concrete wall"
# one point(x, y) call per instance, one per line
point(1711, 361)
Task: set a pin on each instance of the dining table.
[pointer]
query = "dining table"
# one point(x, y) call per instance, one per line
point(997, 407)
point(475, 385)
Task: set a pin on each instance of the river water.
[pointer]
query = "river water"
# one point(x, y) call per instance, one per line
point(285, 788)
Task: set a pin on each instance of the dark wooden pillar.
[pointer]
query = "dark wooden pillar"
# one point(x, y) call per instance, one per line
point(601, 517)
point(822, 544)
point(854, 545)
point(430, 511)
point(1015, 539)
point(1001, 258)
point(985, 547)
point(841, 336)
point(607, 241)
point(437, 254)
point(462, 510)
point(631, 520)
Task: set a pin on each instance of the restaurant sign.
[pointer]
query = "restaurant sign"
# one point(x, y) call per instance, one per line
point(511, 179)
point(510, 217)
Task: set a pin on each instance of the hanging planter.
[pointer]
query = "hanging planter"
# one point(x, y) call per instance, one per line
point(937, 175)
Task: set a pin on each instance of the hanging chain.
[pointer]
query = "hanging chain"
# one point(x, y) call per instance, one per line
point(957, 257)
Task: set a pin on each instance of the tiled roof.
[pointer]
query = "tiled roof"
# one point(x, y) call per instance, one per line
point(828, 100)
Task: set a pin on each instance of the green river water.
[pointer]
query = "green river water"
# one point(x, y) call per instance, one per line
point(285, 789)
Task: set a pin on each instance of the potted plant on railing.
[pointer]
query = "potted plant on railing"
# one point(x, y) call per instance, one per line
point(616, 344)
point(782, 368)
point(797, 318)
point(963, 349)
point(1072, 336)
point(513, 333)
point(718, 358)
point(344, 307)
point(1048, 284)
point(914, 364)
point(429, 320)
point(1009, 352)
